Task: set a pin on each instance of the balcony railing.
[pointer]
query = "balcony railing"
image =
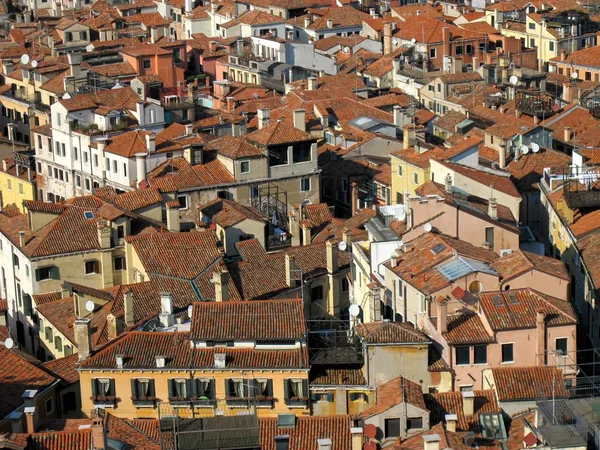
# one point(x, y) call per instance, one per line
point(279, 242)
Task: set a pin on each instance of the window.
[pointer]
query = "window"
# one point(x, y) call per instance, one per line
point(58, 343)
point(463, 356)
point(507, 353)
point(119, 263)
point(466, 388)
point(459, 50)
point(69, 36)
point(400, 171)
point(399, 289)
point(68, 350)
point(147, 64)
point(489, 237)
point(124, 169)
point(183, 201)
point(392, 428)
point(344, 184)
point(83, 35)
point(413, 423)
point(245, 166)
point(103, 389)
point(92, 267)
point(480, 354)
point(78, 181)
point(254, 191)
point(415, 178)
point(47, 273)
point(85, 157)
point(64, 149)
point(95, 160)
point(551, 46)
point(561, 346)
point(9, 184)
point(439, 87)
point(531, 26)
point(49, 405)
point(236, 387)
point(142, 389)
point(316, 293)
point(469, 50)
point(120, 232)
point(87, 185)
point(305, 184)
point(21, 188)
point(475, 287)
point(532, 43)
point(178, 388)
point(432, 53)
point(114, 166)
point(345, 284)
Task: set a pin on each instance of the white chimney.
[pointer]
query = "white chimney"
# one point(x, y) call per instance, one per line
point(324, 444)
point(188, 6)
point(264, 115)
point(140, 165)
point(312, 83)
point(451, 420)
point(431, 442)
point(166, 309)
point(160, 361)
point(220, 360)
point(139, 110)
point(150, 142)
point(119, 361)
point(468, 403)
point(128, 307)
point(300, 119)
point(83, 338)
point(329, 23)
point(306, 22)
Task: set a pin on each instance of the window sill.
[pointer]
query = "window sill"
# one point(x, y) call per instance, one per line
point(507, 362)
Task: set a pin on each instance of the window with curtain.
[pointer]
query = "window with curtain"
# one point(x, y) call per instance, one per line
point(203, 389)
point(181, 388)
point(262, 386)
point(103, 386)
point(238, 388)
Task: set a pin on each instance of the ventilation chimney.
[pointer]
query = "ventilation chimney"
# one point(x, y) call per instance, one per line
point(431, 442)
point(173, 223)
point(399, 116)
point(83, 338)
point(329, 23)
point(264, 115)
point(119, 359)
point(566, 134)
point(128, 306)
point(104, 233)
point(220, 360)
point(387, 38)
point(300, 119)
point(140, 165)
point(161, 361)
point(442, 319)
point(448, 184)
point(99, 441)
point(221, 281)
point(21, 239)
point(16, 421)
point(502, 156)
point(165, 316)
point(493, 209)
point(451, 420)
point(31, 418)
point(468, 403)
point(306, 22)
point(150, 142)
point(312, 83)
point(540, 329)
point(324, 444)
point(306, 235)
point(139, 110)
point(357, 438)
point(332, 257)
point(290, 271)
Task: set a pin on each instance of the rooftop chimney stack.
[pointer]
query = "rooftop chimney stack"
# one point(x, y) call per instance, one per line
point(140, 166)
point(220, 360)
point(99, 441)
point(31, 418)
point(324, 444)
point(104, 233)
point(387, 38)
point(468, 403)
point(332, 258)
point(173, 223)
point(83, 338)
point(150, 142)
point(502, 156)
point(567, 134)
point(221, 281)
point(306, 22)
point(442, 319)
point(357, 434)
point(431, 442)
point(451, 420)
point(290, 271)
point(329, 23)
point(165, 316)
point(264, 115)
point(448, 184)
point(21, 239)
point(540, 329)
point(493, 209)
point(300, 119)
point(139, 110)
point(312, 83)
point(128, 306)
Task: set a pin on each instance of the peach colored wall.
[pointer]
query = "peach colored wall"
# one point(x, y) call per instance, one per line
point(462, 224)
point(542, 282)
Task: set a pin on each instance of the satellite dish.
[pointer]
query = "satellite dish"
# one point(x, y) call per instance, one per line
point(413, 40)
point(535, 147)
point(66, 96)
point(34, 63)
point(354, 310)
point(395, 41)
point(524, 149)
point(513, 80)
point(305, 203)
point(342, 246)
point(190, 309)
point(9, 343)
point(89, 306)
point(25, 59)
point(427, 227)
point(575, 75)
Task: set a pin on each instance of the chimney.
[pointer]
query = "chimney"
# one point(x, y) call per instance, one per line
point(567, 134)
point(563, 54)
point(160, 361)
point(99, 441)
point(140, 165)
point(235, 129)
point(188, 6)
point(399, 117)
point(306, 235)
point(16, 421)
point(264, 115)
point(104, 233)
point(312, 83)
point(357, 438)
point(21, 239)
point(540, 330)
point(475, 63)
point(408, 136)
point(300, 119)
point(111, 326)
point(150, 142)
point(442, 318)
point(165, 317)
point(447, 38)
point(214, 6)
point(451, 420)
point(502, 156)
point(58, 9)
point(290, 271)
point(431, 442)
point(346, 237)
point(189, 129)
point(306, 22)
point(493, 209)
point(31, 418)
point(74, 60)
point(221, 281)
point(332, 258)
point(173, 224)
point(536, 120)
point(387, 38)
point(83, 338)
point(468, 403)
point(8, 66)
point(139, 110)
point(372, 13)
point(212, 45)
point(220, 360)
point(329, 23)
point(230, 104)
point(354, 197)
point(448, 184)
point(324, 444)
point(128, 307)
point(119, 359)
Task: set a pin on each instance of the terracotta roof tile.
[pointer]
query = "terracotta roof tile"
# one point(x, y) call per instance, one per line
point(227, 213)
point(502, 184)
point(132, 200)
point(336, 376)
point(528, 383)
point(394, 392)
point(307, 431)
point(64, 368)
point(254, 17)
point(113, 98)
point(519, 262)
point(234, 147)
point(465, 328)
point(318, 214)
point(452, 403)
point(436, 362)
point(390, 333)
point(278, 133)
point(176, 174)
point(265, 320)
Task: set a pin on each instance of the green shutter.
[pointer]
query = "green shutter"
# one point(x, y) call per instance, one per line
point(134, 388)
point(170, 382)
point(151, 390)
point(68, 350)
point(270, 388)
point(305, 388)
point(213, 392)
point(37, 274)
point(286, 388)
point(111, 390)
point(55, 273)
point(94, 390)
point(188, 388)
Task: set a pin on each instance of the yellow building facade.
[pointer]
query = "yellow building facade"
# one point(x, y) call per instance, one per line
point(17, 182)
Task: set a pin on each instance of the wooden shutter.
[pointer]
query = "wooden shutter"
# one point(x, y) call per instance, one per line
point(188, 387)
point(134, 392)
point(213, 391)
point(94, 388)
point(228, 383)
point(171, 385)
point(269, 388)
point(194, 387)
point(37, 274)
point(55, 273)
point(286, 388)
point(253, 388)
point(305, 388)
point(151, 389)
point(111, 389)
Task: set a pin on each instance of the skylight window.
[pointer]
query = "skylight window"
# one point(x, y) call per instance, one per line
point(88, 215)
point(497, 300)
point(513, 299)
point(438, 249)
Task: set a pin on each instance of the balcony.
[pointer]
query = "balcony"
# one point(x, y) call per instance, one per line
point(279, 242)
point(535, 103)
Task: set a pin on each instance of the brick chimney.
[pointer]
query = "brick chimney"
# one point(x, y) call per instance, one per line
point(447, 38)
point(83, 338)
point(31, 418)
point(387, 37)
point(104, 233)
point(221, 281)
point(99, 441)
point(332, 258)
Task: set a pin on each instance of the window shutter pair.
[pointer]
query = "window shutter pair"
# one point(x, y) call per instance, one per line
point(55, 273)
point(228, 387)
point(111, 388)
point(286, 388)
point(134, 390)
point(190, 388)
point(171, 384)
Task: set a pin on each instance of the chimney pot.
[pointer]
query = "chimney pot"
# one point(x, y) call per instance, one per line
point(83, 338)
point(31, 417)
point(332, 257)
point(166, 309)
point(160, 361)
point(264, 115)
point(220, 360)
point(300, 119)
point(221, 281)
point(451, 420)
point(312, 83)
point(21, 239)
point(431, 442)
point(150, 143)
point(290, 271)
point(468, 403)
point(128, 306)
